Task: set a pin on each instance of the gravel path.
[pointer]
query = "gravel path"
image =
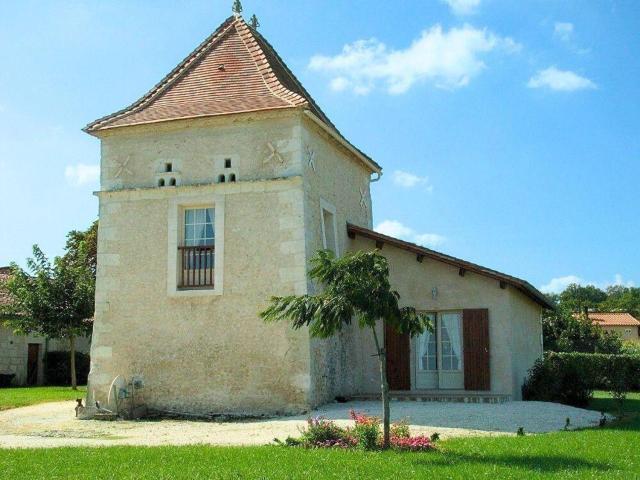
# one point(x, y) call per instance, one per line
point(54, 425)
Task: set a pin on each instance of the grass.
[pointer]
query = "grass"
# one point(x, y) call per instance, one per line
point(25, 396)
point(609, 452)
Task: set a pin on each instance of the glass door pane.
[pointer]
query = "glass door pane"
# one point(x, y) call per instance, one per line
point(428, 352)
point(450, 341)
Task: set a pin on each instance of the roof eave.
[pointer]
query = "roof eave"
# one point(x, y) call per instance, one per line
point(523, 286)
point(370, 163)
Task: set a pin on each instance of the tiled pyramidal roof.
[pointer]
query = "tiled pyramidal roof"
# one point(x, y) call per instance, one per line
point(234, 70)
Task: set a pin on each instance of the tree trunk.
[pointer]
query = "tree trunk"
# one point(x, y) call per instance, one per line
point(384, 385)
point(72, 359)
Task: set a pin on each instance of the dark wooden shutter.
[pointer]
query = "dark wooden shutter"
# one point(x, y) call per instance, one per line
point(398, 351)
point(33, 359)
point(475, 335)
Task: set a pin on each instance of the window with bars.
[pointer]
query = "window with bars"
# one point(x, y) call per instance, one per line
point(197, 252)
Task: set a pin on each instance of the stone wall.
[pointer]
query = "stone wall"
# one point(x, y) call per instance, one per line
point(202, 351)
point(14, 352)
point(333, 178)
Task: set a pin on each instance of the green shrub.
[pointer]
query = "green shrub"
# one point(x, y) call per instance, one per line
point(570, 378)
point(401, 429)
point(365, 435)
point(58, 368)
point(366, 430)
point(631, 348)
point(321, 432)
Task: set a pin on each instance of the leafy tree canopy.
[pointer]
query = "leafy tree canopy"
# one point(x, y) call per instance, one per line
point(356, 286)
point(54, 299)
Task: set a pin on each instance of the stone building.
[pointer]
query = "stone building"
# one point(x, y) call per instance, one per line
point(217, 187)
point(23, 355)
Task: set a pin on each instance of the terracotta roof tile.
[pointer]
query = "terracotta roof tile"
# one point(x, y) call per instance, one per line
point(613, 319)
point(234, 70)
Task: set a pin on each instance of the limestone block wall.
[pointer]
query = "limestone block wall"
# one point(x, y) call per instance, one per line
point(83, 344)
point(208, 352)
point(332, 177)
point(202, 351)
point(14, 353)
point(257, 146)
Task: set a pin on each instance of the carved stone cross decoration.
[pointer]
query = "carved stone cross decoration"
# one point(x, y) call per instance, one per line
point(274, 155)
point(363, 199)
point(122, 167)
point(311, 158)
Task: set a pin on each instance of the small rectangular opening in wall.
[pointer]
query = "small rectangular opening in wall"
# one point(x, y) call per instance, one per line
point(168, 167)
point(328, 230)
point(227, 163)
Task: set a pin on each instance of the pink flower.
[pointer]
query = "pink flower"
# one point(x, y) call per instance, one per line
point(414, 444)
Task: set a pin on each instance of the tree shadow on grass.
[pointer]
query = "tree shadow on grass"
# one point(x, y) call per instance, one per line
point(629, 420)
point(535, 463)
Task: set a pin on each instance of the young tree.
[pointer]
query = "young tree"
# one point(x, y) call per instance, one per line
point(355, 286)
point(55, 300)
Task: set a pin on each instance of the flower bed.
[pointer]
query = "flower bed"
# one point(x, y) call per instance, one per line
point(366, 434)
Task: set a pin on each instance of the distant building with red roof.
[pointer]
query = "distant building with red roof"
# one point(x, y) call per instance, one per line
point(622, 323)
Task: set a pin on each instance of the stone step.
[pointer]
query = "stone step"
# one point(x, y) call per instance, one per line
point(440, 397)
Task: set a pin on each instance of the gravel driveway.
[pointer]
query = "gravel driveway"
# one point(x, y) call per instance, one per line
point(54, 425)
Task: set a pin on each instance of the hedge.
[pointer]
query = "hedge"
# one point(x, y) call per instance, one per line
point(571, 378)
point(58, 368)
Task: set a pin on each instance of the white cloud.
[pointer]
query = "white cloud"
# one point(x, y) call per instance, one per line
point(463, 7)
point(410, 180)
point(620, 281)
point(557, 285)
point(449, 59)
point(560, 80)
point(563, 30)
point(81, 174)
point(393, 228)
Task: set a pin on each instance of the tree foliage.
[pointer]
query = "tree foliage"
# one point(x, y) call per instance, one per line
point(567, 329)
point(577, 297)
point(55, 299)
point(624, 299)
point(354, 287)
point(564, 331)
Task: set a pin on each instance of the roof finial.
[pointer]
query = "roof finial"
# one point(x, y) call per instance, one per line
point(254, 22)
point(237, 8)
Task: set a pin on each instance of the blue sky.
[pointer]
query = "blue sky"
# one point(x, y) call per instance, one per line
point(509, 131)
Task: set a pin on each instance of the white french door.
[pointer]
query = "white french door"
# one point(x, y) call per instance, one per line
point(439, 353)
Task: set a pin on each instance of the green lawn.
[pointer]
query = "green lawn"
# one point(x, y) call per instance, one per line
point(610, 452)
point(24, 396)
